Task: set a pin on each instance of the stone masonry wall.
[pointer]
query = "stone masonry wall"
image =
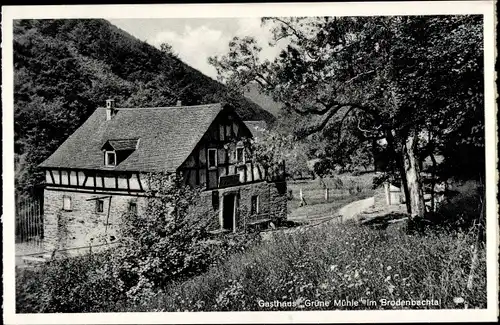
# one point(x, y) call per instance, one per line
point(272, 203)
point(83, 225)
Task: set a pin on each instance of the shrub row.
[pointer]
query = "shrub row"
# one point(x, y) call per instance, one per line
point(99, 282)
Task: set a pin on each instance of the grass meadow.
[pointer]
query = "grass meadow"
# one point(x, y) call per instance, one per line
point(335, 262)
point(342, 190)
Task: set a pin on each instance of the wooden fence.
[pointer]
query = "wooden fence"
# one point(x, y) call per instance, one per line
point(318, 195)
point(29, 222)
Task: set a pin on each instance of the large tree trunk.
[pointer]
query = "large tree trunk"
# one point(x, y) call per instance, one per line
point(400, 166)
point(412, 170)
point(433, 182)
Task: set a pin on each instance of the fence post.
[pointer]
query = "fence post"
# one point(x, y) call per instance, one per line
point(302, 200)
point(30, 223)
point(39, 221)
point(387, 188)
point(326, 194)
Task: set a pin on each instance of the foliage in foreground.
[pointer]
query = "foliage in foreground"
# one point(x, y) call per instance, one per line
point(194, 273)
point(323, 263)
point(78, 284)
point(94, 283)
point(336, 262)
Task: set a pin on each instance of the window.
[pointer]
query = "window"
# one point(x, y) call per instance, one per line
point(132, 207)
point(240, 155)
point(99, 206)
point(66, 203)
point(212, 158)
point(254, 205)
point(110, 158)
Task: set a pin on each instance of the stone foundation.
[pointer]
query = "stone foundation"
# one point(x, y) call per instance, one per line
point(83, 226)
point(272, 204)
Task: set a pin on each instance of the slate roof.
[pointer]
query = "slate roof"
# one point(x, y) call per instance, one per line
point(166, 136)
point(122, 144)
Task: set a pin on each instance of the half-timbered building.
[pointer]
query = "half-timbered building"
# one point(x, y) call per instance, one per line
point(99, 172)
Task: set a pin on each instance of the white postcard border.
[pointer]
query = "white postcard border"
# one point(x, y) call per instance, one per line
point(485, 8)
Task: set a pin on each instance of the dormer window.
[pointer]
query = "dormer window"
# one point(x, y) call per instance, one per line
point(117, 150)
point(110, 158)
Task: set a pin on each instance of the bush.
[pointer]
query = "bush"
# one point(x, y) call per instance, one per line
point(229, 245)
point(167, 243)
point(77, 284)
point(337, 262)
point(463, 207)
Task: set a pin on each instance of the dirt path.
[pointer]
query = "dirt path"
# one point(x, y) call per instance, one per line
point(347, 212)
point(354, 209)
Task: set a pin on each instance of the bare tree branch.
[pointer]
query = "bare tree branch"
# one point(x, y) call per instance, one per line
point(309, 111)
point(342, 121)
point(376, 129)
point(294, 31)
point(318, 127)
point(360, 76)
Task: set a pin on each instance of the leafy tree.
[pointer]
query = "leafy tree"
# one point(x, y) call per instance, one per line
point(272, 149)
point(165, 243)
point(389, 77)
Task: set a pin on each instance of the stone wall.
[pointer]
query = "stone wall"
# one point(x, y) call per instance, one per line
point(83, 225)
point(272, 203)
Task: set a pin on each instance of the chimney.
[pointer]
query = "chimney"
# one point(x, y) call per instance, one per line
point(110, 109)
point(179, 103)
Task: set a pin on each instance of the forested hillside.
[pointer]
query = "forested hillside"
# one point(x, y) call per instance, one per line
point(64, 69)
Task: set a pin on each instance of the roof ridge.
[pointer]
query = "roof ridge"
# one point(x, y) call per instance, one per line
point(164, 107)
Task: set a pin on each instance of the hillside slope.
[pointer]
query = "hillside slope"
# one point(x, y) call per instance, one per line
point(252, 92)
point(64, 69)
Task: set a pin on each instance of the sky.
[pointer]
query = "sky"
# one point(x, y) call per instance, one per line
point(194, 40)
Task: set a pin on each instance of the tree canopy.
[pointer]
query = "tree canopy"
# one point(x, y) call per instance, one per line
point(371, 78)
